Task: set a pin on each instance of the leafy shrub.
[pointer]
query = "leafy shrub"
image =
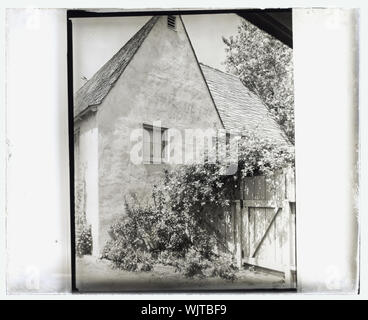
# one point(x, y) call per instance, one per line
point(167, 258)
point(180, 219)
point(146, 266)
point(187, 203)
point(193, 268)
point(126, 258)
point(194, 265)
point(259, 155)
point(120, 255)
point(145, 261)
point(224, 268)
point(83, 240)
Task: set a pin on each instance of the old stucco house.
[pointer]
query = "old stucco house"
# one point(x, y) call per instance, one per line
point(155, 76)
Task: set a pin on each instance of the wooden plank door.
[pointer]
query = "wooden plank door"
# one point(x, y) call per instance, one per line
point(268, 222)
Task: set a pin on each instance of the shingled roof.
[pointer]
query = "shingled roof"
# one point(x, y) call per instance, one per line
point(95, 90)
point(238, 107)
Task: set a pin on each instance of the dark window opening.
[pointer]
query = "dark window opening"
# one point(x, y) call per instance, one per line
point(155, 144)
point(171, 22)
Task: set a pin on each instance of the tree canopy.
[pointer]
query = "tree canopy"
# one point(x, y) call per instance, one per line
point(265, 66)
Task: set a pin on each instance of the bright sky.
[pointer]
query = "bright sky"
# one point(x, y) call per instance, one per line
point(96, 40)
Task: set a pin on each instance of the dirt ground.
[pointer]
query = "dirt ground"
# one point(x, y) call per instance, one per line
point(95, 275)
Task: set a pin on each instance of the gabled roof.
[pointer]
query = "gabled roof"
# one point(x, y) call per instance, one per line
point(95, 90)
point(239, 108)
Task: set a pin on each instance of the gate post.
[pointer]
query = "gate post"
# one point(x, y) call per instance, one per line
point(290, 226)
point(287, 255)
point(238, 233)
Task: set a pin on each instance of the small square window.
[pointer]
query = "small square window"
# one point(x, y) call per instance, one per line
point(171, 22)
point(155, 144)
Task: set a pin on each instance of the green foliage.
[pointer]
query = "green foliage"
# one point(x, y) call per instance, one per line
point(80, 203)
point(265, 66)
point(131, 245)
point(167, 258)
point(189, 197)
point(261, 156)
point(83, 240)
point(180, 227)
point(194, 265)
point(123, 256)
point(83, 243)
point(224, 268)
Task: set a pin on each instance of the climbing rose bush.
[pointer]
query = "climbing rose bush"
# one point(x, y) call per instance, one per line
point(263, 156)
point(180, 226)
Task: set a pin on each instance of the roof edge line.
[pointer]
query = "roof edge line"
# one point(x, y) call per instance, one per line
point(201, 71)
point(136, 50)
point(226, 73)
point(269, 112)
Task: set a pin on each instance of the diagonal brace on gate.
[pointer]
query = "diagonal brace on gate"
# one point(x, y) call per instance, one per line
point(277, 210)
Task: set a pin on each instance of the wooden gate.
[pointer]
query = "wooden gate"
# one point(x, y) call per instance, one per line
point(262, 222)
